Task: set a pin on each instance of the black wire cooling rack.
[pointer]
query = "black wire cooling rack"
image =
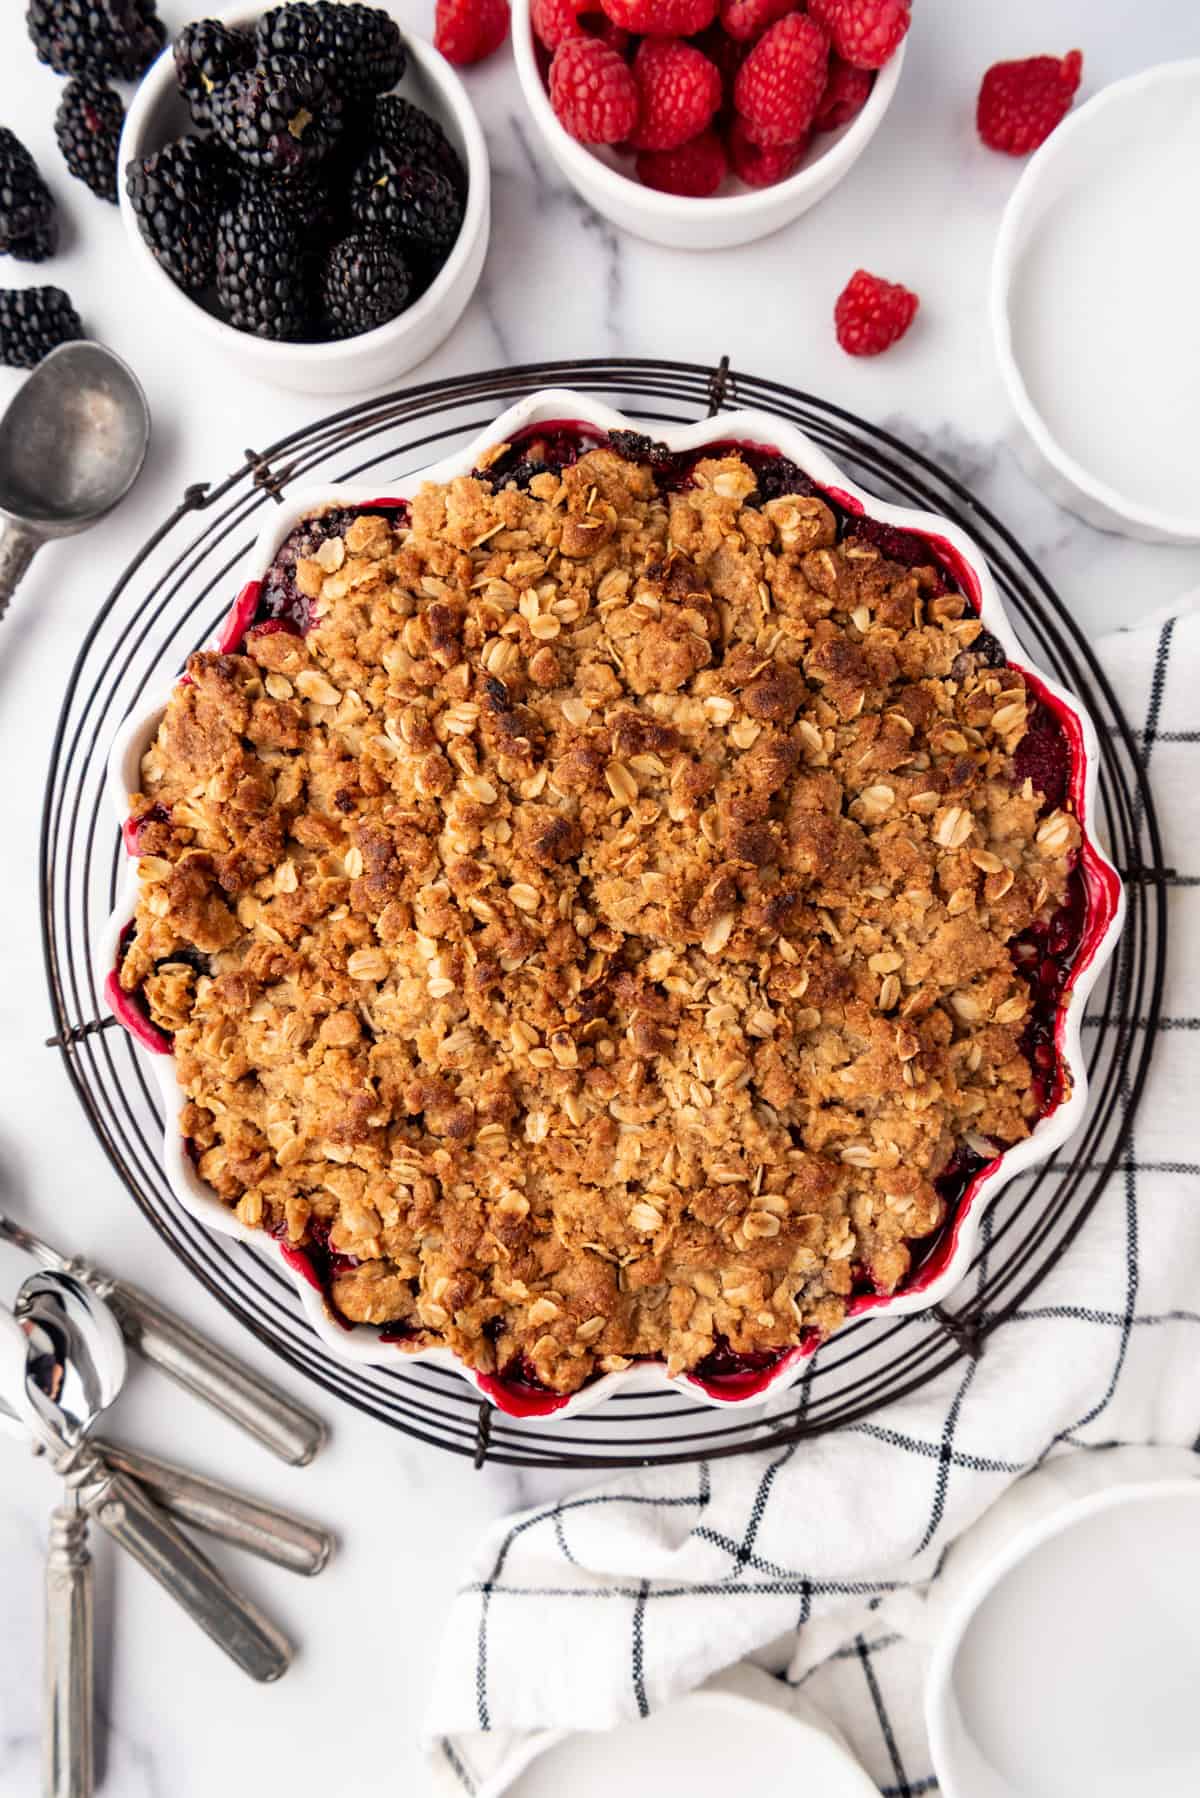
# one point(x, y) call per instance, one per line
point(167, 603)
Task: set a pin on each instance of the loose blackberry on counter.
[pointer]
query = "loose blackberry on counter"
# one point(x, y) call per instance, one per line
point(177, 194)
point(283, 115)
point(106, 37)
point(366, 280)
point(263, 252)
point(88, 128)
point(28, 221)
point(396, 198)
point(359, 47)
point(207, 54)
point(34, 321)
point(414, 136)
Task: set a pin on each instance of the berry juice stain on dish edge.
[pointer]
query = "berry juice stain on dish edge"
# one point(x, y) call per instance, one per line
point(1046, 953)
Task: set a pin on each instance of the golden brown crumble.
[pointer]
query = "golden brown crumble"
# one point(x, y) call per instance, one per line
point(600, 920)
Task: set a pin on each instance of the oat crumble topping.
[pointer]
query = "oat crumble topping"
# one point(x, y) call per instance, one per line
point(597, 931)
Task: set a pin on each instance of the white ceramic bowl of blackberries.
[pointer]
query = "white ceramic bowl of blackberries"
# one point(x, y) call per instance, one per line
point(307, 187)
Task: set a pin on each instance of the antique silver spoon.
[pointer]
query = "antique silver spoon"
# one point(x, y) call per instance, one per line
point(77, 1382)
point(59, 1378)
point(72, 443)
point(284, 1427)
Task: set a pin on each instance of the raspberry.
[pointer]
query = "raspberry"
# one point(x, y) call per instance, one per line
point(661, 18)
point(593, 92)
point(865, 33)
point(466, 31)
point(554, 21)
point(845, 95)
point(871, 314)
point(782, 80)
point(678, 92)
point(599, 25)
point(748, 19)
point(727, 55)
point(693, 170)
point(758, 167)
point(1020, 103)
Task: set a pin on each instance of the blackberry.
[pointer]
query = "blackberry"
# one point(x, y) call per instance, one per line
point(282, 115)
point(105, 37)
point(281, 598)
point(88, 128)
point(635, 446)
point(34, 321)
point(365, 281)
point(262, 269)
point(207, 54)
point(28, 221)
point(176, 195)
point(550, 452)
point(359, 46)
point(308, 196)
point(396, 198)
point(415, 137)
point(779, 479)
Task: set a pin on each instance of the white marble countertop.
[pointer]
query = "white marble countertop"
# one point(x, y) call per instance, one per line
point(922, 207)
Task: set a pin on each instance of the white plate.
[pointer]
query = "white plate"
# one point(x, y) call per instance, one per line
point(1069, 1656)
point(361, 1345)
point(733, 1736)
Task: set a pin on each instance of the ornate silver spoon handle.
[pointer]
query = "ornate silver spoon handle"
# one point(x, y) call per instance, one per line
point(67, 1764)
point(18, 546)
point(261, 1409)
point(119, 1506)
point(285, 1428)
point(224, 1512)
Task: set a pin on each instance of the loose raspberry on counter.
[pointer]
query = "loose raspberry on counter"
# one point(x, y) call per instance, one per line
point(678, 92)
point(1020, 103)
point(872, 314)
point(466, 31)
point(554, 21)
point(661, 18)
point(745, 20)
point(781, 82)
point(865, 33)
point(593, 92)
point(758, 167)
point(846, 93)
point(693, 170)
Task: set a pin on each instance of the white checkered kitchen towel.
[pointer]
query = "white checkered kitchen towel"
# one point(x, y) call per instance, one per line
point(604, 1606)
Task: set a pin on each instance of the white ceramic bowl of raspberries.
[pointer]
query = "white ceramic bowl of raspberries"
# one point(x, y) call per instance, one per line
point(341, 274)
point(701, 124)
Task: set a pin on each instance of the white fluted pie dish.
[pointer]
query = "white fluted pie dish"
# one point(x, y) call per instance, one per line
point(953, 1247)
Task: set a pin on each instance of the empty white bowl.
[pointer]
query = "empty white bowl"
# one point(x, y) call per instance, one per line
point(159, 114)
point(1093, 303)
point(1070, 1655)
point(725, 219)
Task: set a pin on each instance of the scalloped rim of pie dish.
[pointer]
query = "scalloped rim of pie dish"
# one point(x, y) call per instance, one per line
point(360, 1344)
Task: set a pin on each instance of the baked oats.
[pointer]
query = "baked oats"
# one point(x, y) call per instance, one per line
point(597, 930)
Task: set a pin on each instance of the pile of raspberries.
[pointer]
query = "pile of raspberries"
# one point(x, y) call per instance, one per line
point(698, 89)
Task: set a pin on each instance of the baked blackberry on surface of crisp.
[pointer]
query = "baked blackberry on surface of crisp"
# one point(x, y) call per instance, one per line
point(602, 910)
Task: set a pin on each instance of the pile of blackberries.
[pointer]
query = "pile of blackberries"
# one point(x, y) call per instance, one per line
point(94, 42)
point(312, 203)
